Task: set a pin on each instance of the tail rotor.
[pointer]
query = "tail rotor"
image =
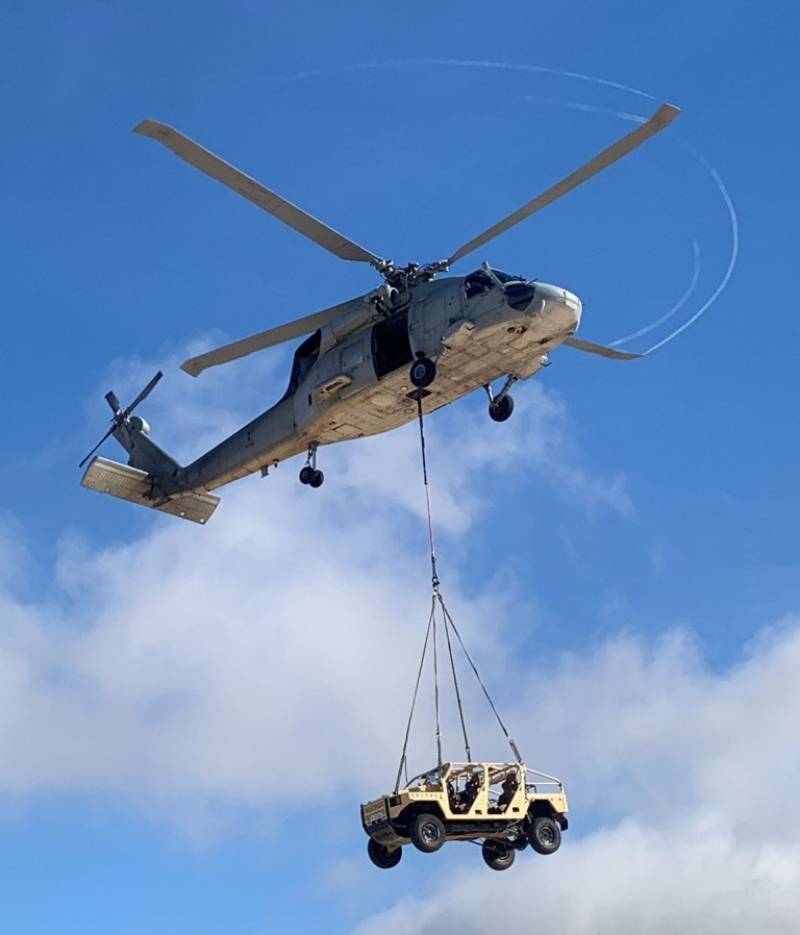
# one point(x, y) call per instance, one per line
point(121, 415)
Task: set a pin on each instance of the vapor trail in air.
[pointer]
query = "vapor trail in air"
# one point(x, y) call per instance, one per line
point(675, 308)
point(586, 108)
point(733, 257)
point(590, 108)
point(474, 63)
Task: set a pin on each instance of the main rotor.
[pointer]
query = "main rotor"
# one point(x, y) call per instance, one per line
point(401, 278)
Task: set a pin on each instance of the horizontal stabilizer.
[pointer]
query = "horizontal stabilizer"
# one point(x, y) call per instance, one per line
point(129, 483)
point(611, 352)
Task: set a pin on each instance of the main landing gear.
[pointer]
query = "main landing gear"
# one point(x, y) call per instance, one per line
point(502, 405)
point(309, 474)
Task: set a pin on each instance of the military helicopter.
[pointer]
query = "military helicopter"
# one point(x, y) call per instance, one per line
point(366, 365)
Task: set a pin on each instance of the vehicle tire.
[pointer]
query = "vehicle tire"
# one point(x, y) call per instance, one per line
point(383, 857)
point(306, 474)
point(501, 410)
point(317, 479)
point(544, 834)
point(498, 854)
point(423, 372)
point(427, 832)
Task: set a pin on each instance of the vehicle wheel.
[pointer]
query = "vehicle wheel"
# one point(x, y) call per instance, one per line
point(306, 474)
point(501, 410)
point(498, 854)
point(423, 372)
point(317, 478)
point(427, 833)
point(545, 835)
point(383, 857)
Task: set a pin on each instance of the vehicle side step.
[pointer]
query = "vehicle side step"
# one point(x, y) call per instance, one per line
point(129, 483)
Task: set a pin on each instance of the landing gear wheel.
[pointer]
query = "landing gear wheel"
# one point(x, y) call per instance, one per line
point(306, 474)
point(317, 479)
point(498, 854)
point(383, 857)
point(427, 833)
point(502, 409)
point(423, 372)
point(544, 833)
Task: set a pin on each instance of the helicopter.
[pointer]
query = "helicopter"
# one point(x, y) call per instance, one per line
point(413, 344)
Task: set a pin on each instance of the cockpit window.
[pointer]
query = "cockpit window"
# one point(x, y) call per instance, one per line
point(304, 359)
point(507, 277)
point(478, 282)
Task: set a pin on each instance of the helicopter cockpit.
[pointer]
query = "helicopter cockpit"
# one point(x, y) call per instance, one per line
point(486, 278)
point(477, 283)
point(304, 359)
point(507, 277)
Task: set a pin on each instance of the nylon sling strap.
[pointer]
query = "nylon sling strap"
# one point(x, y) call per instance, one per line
point(414, 698)
point(449, 620)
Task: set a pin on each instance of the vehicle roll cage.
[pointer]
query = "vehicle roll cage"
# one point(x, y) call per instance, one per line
point(535, 780)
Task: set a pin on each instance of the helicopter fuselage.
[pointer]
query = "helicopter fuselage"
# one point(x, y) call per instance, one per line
point(351, 379)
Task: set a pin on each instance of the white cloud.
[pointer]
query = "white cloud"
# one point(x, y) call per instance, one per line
point(187, 671)
point(686, 781)
point(184, 665)
point(181, 672)
point(692, 878)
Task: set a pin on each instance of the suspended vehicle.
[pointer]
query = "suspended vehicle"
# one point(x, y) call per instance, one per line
point(357, 372)
point(502, 806)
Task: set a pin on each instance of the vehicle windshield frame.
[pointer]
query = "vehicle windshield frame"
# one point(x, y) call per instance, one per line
point(430, 777)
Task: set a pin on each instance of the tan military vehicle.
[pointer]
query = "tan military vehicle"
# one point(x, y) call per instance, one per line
point(506, 806)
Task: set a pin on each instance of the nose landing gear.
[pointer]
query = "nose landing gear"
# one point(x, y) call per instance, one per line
point(309, 474)
point(502, 405)
point(501, 410)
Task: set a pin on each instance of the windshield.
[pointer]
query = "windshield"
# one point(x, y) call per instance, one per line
point(507, 277)
point(477, 283)
point(431, 779)
point(304, 358)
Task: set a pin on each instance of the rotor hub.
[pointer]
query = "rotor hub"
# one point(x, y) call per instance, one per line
point(412, 273)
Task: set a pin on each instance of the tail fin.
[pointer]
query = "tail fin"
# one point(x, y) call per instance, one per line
point(150, 477)
point(137, 486)
point(143, 453)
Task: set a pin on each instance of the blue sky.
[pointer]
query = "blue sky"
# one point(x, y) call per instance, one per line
point(625, 502)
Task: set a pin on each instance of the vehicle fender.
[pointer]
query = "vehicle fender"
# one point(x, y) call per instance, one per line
point(415, 808)
point(543, 807)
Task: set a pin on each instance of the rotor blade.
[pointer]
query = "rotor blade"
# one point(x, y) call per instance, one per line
point(609, 352)
point(254, 191)
point(113, 402)
point(194, 366)
point(144, 394)
point(660, 119)
point(108, 433)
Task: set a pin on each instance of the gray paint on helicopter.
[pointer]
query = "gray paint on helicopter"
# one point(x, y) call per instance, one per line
point(353, 376)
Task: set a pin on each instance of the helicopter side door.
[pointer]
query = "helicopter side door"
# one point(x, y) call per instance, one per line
point(338, 373)
point(390, 344)
point(430, 316)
